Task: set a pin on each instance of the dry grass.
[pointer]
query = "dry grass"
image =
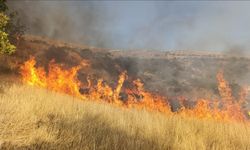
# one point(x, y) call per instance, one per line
point(32, 118)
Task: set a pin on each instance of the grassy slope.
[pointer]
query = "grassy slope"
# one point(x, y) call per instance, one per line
point(38, 119)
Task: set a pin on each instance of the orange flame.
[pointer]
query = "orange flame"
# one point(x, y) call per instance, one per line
point(65, 80)
point(57, 79)
point(228, 109)
point(32, 75)
point(224, 89)
point(147, 100)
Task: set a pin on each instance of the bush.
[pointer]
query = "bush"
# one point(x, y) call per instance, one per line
point(5, 46)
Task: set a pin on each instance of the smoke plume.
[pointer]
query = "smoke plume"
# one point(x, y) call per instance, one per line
point(140, 25)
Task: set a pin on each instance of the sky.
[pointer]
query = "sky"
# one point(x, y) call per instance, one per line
point(160, 25)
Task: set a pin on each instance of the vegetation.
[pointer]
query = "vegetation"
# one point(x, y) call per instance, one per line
point(11, 29)
point(34, 118)
point(5, 45)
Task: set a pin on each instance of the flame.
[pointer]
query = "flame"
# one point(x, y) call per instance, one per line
point(224, 89)
point(32, 75)
point(117, 91)
point(57, 79)
point(147, 100)
point(227, 108)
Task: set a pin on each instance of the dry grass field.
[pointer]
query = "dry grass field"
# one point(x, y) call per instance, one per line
point(32, 118)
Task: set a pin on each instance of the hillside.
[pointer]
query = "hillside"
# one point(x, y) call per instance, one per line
point(172, 74)
point(121, 99)
point(33, 118)
point(124, 75)
point(169, 73)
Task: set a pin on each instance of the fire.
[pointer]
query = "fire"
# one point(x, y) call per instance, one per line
point(147, 100)
point(62, 80)
point(57, 79)
point(32, 75)
point(117, 91)
point(226, 109)
point(224, 89)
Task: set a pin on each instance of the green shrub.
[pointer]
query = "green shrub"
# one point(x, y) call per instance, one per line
point(5, 46)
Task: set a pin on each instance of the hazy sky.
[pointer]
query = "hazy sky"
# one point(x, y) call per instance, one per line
point(164, 25)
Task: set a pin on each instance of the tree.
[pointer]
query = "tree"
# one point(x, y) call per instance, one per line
point(5, 46)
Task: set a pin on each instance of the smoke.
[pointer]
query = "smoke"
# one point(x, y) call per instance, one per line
point(140, 25)
point(78, 22)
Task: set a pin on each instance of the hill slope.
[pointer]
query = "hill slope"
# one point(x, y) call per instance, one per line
point(169, 73)
point(34, 118)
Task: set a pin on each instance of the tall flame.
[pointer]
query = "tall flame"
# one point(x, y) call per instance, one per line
point(224, 89)
point(226, 109)
point(65, 80)
point(57, 78)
